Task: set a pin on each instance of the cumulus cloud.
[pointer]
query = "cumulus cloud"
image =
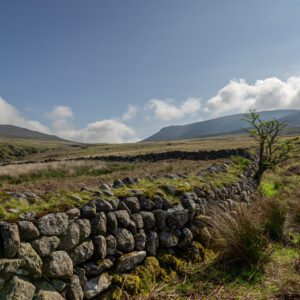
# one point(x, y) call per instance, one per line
point(267, 94)
point(167, 110)
point(61, 117)
point(130, 113)
point(10, 115)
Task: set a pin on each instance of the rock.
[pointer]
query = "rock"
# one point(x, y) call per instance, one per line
point(140, 241)
point(133, 204)
point(152, 243)
point(186, 238)
point(129, 181)
point(28, 216)
point(10, 239)
point(53, 224)
point(125, 240)
point(93, 269)
point(130, 260)
point(71, 238)
point(48, 295)
point(58, 265)
point(100, 246)
point(123, 206)
point(160, 218)
point(123, 217)
point(45, 245)
point(103, 205)
point(84, 229)
point(83, 252)
point(59, 285)
point(88, 210)
point(18, 289)
point(132, 227)
point(111, 245)
point(10, 266)
point(73, 213)
point(112, 223)
point(105, 187)
point(177, 217)
point(98, 224)
point(168, 239)
point(138, 220)
point(118, 183)
point(33, 263)
point(115, 203)
point(74, 290)
point(148, 219)
point(95, 286)
point(27, 231)
point(146, 204)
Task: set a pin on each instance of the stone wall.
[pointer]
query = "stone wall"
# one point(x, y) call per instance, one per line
point(72, 254)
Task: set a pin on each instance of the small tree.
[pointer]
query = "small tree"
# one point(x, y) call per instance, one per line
point(270, 150)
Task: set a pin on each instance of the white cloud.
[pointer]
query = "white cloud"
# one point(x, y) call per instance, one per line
point(61, 117)
point(10, 115)
point(130, 113)
point(167, 110)
point(267, 94)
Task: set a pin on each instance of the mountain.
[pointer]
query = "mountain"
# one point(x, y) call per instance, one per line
point(231, 124)
point(11, 131)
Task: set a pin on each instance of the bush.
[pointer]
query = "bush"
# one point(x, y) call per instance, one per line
point(294, 209)
point(274, 213)
point(238, 237)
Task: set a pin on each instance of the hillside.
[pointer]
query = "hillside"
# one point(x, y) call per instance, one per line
point(15, 132)
point(231, 124)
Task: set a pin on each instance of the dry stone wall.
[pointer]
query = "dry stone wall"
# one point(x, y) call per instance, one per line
point(72, 254)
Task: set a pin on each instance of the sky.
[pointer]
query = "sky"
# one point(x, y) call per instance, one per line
point(119, 70)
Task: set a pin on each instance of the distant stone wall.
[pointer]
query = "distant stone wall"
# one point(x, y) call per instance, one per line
point(72, 254)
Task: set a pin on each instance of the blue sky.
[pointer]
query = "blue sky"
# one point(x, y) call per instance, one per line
point(119, 70)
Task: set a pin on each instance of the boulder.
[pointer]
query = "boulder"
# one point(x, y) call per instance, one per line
point(53, 224)
point(48, 295)
point(168, 239)
point(93, 269)
point(58, 265)
point(112, 223)
point(133, 204)
point(111, 245)
point(125, 240)
point(138, 220)
point(95, 286)
point(73, 213)
point(71, 238)
point(146, 203)
point(10, 266)
point(88, 210)
point(152, 243)
point(45, 245)
point(148, 219)
point(10, 239)
point(123, 217)
point(103, 205)
point(118, 183)
point(98, 224)
point(130, 260)
point(84, 229)
point(140, 241)
point(28, 231)
point(83, 252)
point(74, 290)
point(33, 263)
point(18, 289)
point(100, 246)
point(186, 238)
point(177, 217)
point(160, 218)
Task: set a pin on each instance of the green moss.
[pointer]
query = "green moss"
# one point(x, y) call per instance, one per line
point(129, 282)
point(268, 189)
point(170, 261)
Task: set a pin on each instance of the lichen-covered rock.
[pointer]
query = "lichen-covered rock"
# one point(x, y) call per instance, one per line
point(148, 219)
point(138, 220)
point(18, 289)
point(168, 239)
point(84, 229)
point(93, 269)
point(95, 286)
point(130, 260)
point(152, 243)
point(146, 203)
point(71, 238)
point(73, 213)
point(10, 266)
point(10, 239)
point(83, 252)
point(100, 246)
point(112, 222)
point(45, 245)
point(27, 231)
point(140, 240)
point(98, 224)
point(33, 263)
point(74, 290)
point(125, 240)
point(48, 295)
point(88, 210)
point(58, 265)
point(53, 224)
point(111, 245)
point(133, 204)
point(177, 217)
point(103, 205)
point(123, 217)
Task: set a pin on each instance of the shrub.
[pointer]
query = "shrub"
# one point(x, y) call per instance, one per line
point(294, 209)
point(238, 237)
point(274, 213)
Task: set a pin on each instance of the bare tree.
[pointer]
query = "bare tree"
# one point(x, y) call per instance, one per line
point(270, 150)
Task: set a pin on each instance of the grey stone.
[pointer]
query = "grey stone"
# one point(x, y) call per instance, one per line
point(58, 285)
point(10, 239)
point(123, 206)
point(28, 216)
point(45, 245)
point(148, 219)
point(140, 241)
point(71, 238)
point(160, 218)
point(186, 238)
point(10, 266)
point(133, 204)
point(73, 213)
point(146, 203)
point(83, 252)
point(112, 222)
point(123, 217)
point(18, 289)
point(152, 243)
point(53, 224)
point(125, 240)
point(138, 220)
point(168, 239)
point(118, 183)
point(48, 295)
point(27, 231)
point(95, 286)
point(93, 269)
point(98, 224)
point(84, 229)
point(58, 265)
point(130, 260)
point(33, 263)
point(100, 246)
point(74, 290)
point(132, 227)
point(111, 245)
point(103, 205)
point(88, 210)
point(177, 217)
